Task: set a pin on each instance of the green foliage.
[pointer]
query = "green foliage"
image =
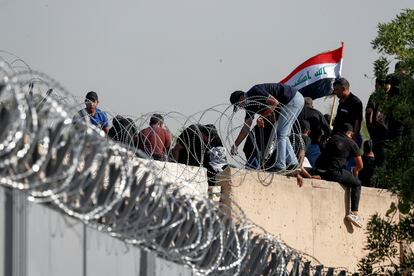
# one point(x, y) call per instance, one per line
point(396, 38)
point(384, 243)
point(398, 174)
point(381, 68)
point(387, 235)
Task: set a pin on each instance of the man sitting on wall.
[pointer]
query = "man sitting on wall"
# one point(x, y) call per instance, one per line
point(92, 113)
point(331, 166)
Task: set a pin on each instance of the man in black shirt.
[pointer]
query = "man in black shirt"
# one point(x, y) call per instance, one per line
point(263, 99)
point(349, 109)
point(318, 127)
point(200, 145)
point(374, 119)
point(332, 162)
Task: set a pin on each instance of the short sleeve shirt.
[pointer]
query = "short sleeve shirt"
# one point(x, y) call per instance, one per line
point(338, 150)
point(377, 131)
point(257, 95)
point(99, 119)
point(154, 141)
point(348, 111)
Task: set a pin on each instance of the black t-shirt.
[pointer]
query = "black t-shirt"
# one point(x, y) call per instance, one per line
point(318, 124)
point(348, 111)
point(338, 150)
point(377, 131)
point(195, 151)
point(194, 147)
point(257, 95)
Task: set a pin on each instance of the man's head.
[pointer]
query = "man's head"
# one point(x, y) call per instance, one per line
point(156, 119)
point(402, 68)
point(91, 102)
point(308, 101)
point(237, 99)
point(341, 88)
point(305, 127)
point(347, 129)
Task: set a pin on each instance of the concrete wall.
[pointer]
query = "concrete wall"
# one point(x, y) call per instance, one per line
point(308, 218)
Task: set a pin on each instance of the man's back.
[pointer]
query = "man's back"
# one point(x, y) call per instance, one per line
point(337, 151)
point(154, 141)
point(318, 124)
point(193, 146)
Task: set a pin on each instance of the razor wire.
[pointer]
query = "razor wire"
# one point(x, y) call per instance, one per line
point(80, 172)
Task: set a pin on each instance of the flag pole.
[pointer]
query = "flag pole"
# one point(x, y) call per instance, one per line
point(332, 110)
point(334, 99)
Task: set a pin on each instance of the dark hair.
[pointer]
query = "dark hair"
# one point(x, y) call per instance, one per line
point(235, 96)
point(367, 146)
point(308, 101)
point(92, 96)
point(341, 82)
point(304, 125)
point(156, 118)
point(346, 128)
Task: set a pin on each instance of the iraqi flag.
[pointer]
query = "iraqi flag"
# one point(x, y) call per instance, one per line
point(314, 77)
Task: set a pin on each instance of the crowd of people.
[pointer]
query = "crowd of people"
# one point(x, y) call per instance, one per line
point(197, 145)
point(290, 135)
point(331, 150)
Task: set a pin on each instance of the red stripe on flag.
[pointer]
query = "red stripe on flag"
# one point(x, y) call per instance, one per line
point(334, 56)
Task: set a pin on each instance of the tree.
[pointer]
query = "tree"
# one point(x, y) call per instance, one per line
point(389, 237)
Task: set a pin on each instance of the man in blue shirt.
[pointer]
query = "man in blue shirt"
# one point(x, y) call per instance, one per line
point(96, 116)
point(264, 99)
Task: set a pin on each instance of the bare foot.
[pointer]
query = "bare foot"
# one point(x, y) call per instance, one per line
point(299, 180)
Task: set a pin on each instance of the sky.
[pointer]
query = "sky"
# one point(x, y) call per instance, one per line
point(188, 55)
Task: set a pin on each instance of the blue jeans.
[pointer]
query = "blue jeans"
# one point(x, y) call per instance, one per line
point(312, 153)
point(252, 163)
point(287, 117)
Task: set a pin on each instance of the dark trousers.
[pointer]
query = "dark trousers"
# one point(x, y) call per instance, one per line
point(347, 179)
point(379, 152)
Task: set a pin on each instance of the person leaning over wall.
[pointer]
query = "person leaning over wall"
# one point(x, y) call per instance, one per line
point(263, 99)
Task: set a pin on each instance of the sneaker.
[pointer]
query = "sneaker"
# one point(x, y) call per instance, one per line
point(355, 220)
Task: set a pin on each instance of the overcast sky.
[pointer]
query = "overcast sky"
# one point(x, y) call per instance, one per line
point(187, 55)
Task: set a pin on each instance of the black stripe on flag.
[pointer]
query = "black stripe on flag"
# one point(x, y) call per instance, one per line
point(318, 89)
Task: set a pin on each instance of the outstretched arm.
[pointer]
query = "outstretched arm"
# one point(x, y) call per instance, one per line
point(242, 135)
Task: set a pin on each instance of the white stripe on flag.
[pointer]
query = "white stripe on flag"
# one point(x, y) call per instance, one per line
point(314, 73)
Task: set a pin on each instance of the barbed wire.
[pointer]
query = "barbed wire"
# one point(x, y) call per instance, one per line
point(113, 188)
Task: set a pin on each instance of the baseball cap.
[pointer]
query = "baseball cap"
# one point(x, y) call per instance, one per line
point(91, 95)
